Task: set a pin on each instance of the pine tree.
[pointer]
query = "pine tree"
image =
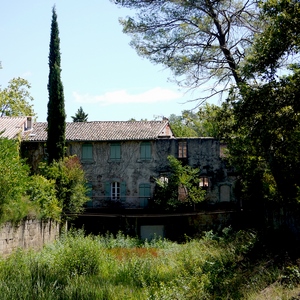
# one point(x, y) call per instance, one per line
point(56, 105)
point(80, 116)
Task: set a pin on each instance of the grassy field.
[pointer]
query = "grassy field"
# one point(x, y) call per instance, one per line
point(228, 266)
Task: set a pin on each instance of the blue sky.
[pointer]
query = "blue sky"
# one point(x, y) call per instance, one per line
point(100, 71)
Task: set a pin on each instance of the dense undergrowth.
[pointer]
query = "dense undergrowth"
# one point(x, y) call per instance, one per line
point(54, 191)
point(230, 266)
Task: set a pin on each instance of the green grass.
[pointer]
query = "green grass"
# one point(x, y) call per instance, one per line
point(121, 267)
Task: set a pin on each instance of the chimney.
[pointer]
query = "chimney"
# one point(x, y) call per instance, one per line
point(29, 123)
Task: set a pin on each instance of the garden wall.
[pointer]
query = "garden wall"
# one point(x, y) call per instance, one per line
point(28, 234)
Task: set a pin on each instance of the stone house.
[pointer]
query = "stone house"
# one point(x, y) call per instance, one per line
point(123, 159)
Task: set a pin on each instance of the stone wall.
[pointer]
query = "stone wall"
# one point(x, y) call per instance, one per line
point(28, 234)
point(203, 153)
point(131, 172)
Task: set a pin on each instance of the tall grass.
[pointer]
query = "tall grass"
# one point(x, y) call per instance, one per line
point(121, 267)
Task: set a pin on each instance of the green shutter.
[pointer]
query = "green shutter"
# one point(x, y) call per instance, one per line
point(123, 191)
point(145, 150)
point(115, 151)
point(107, 190)
point(148, 151)
point(144, 194)
point(87, 152)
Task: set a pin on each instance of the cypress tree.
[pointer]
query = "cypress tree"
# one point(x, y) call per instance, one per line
point(56, 106)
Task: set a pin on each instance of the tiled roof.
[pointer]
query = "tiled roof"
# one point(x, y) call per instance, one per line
point(12, 126)
point(106, 131)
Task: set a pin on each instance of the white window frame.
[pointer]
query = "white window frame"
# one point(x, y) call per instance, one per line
point(115, 190)
point(204, 182)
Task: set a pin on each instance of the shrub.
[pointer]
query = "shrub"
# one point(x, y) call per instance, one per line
point(42, 192)
point(14, 181)
point(166, 195)
point(70, 184)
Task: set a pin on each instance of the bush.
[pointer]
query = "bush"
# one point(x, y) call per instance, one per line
point(86, 267)
point(42, 192)
point(166, 195)
point(70, 184)
point(14, 181)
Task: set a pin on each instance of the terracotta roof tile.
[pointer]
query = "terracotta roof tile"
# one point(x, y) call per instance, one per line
point(106, 131)
point(12, 126)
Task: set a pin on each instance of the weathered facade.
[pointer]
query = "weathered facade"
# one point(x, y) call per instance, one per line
point(123, 159)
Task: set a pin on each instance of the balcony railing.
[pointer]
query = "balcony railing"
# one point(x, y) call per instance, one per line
point(128, 203)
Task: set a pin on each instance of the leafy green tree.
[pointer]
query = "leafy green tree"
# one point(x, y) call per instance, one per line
point(23, 195)
point(180, 177)
point(14, 181)
point(70, 184)
point(80, 116)
point(42, 193)
point(56, 105)
point(15, 99)
point(278, 44)
point(180, 128)
point(197, 40)
point(266, 110)
point(204, 123)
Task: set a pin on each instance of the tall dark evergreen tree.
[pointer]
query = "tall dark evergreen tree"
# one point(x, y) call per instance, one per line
point(56, 105)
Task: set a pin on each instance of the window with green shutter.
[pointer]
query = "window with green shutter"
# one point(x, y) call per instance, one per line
point(115, 190)
point(145, 150)
point(87, 152)
point(123, 191)
point(115, 151)
point(144, 194)
point(89, 194)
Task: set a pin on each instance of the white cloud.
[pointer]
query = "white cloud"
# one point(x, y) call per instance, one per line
point(26, 74)
point(123, 97)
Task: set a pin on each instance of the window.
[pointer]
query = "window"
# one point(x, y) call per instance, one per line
point(182, 149)
point(89, 194)
point(115, 151)
point(225, 193)
point(144, 194)
point(164, 180)
point(204, 182)
point(115, 191)
point(145, 150)
point(87, 152)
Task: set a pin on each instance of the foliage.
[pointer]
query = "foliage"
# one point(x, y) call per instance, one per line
point(80, 116)
point(273, 130)
point(88, 267)
point(56, 106)
point(180, 127)
point(15, 99)
point(204, 123)
point(14, 181)
point(279, 42)
point(70, 183)
point(42, 192)
point(266, 111)
point(167, 195)
point(22, 195)
point(200, 40)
